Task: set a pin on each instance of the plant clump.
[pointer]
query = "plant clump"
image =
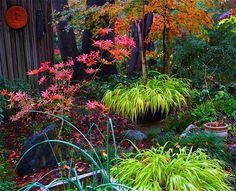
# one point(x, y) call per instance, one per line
point(156, 169)
point(159, 94)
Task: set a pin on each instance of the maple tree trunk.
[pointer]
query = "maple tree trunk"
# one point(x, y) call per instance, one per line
point(67, 42)
point(168, 52)
point(166, 43)
point(141, 52)
point(135, 64)
point(164, 49)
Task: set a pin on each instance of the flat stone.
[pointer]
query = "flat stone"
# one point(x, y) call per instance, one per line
point(135, 135)
point(188, 130)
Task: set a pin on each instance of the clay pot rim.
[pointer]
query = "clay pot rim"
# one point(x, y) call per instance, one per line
point(212, 125)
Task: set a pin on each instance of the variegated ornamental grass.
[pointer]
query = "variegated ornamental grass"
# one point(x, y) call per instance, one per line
point(158, 170)
point(159, 94)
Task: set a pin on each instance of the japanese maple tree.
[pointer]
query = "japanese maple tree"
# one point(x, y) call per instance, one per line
point(172, 19)
point(56, 99)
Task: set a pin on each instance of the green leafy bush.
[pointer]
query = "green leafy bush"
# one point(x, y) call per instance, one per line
point(178, 122)
point(18, 85)
point(204, 113)
point(97, 88)
point(211, 58)
point(6, 176)
point(169, 139)
point(226, 107)
point(214, 146)
point(213, 110)
point(7, 186)
point(156, 169)
point(209, 142)
point(159, 94)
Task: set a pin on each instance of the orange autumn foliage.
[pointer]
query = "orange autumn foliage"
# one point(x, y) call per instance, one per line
point(180, 16)
point(171, 19)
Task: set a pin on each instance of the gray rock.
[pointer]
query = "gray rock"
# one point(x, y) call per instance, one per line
point(188, 130)
point(134, 135)
point(42, 155)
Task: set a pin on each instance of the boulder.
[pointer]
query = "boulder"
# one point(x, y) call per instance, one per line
point(42, 155)
point(135, 135)
point(188, 130)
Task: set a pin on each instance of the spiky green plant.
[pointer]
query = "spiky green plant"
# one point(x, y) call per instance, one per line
point(159, 94)
point(156, 170)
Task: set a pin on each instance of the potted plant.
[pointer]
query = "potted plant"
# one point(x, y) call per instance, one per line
point(219, 128)
point(139, 101)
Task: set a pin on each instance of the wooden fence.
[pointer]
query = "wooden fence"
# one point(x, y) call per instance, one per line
point(24, 49)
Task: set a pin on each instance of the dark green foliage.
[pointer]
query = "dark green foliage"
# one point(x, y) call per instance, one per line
point(178, 122)
point(226, 107)
point(97, 88)
point(212, 58)
point(153, 132)
point(203, 113)
point(18, 85)
point(213, 145)
point(58, 59)
point(6, 176)
point(169, 137)
point(36, 127)
point(7, 186)
point(213, 110)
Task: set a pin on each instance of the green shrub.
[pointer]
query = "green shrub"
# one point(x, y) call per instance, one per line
point(226, 107)
point(18, 85)
point(6, 172)
point(6, 176)
point(208, 58)
point(156, 169)
point(159, 94)
point(211, 111)
point(97, 88)
point(178, 122)
point(169, 139)
point(7, 186)
point(204, 113)
point(209, 142)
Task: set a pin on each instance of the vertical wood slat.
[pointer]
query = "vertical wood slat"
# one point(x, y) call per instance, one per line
point(21, 50)
point(2, 49)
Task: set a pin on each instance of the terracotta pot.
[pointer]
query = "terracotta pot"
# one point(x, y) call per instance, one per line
point(220, 130)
